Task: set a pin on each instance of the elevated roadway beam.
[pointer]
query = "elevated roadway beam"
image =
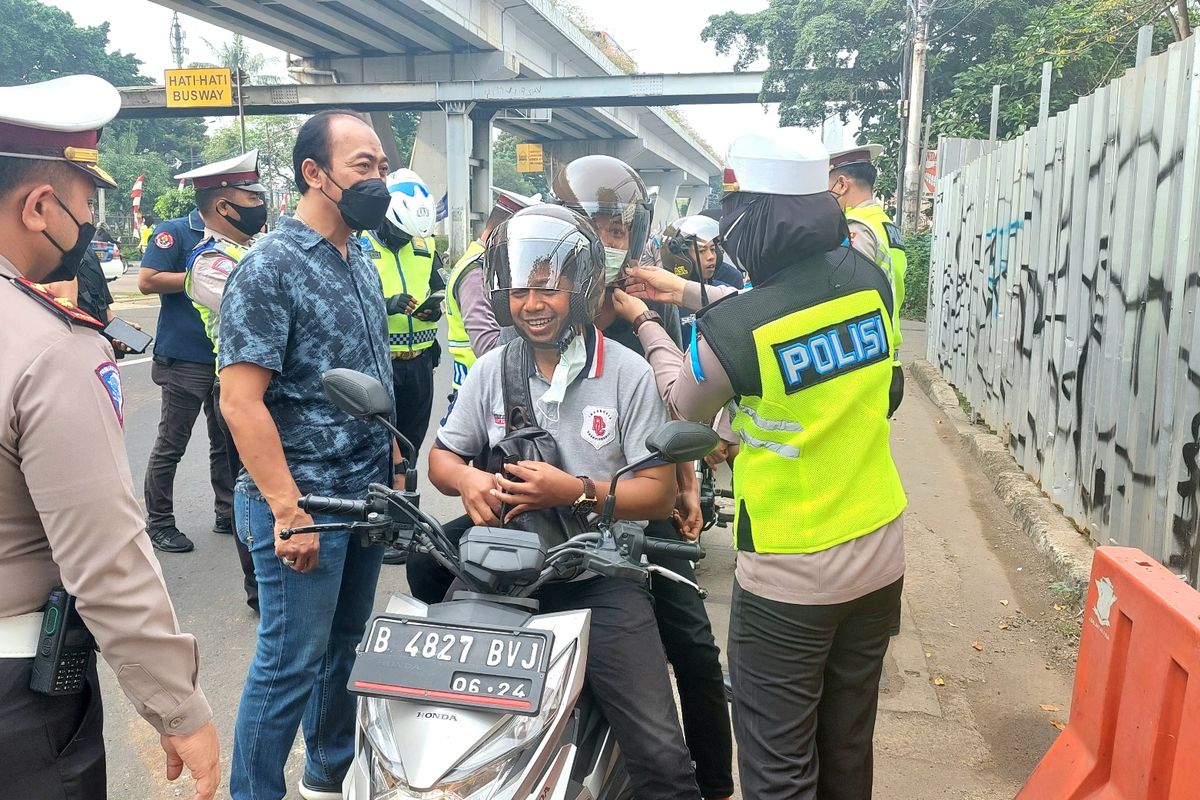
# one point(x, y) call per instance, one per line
point(584, 91)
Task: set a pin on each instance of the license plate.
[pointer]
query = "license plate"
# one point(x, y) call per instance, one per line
point(496, 669)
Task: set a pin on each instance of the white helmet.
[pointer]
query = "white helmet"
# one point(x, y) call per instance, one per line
point(786, 161)
point(413, 209)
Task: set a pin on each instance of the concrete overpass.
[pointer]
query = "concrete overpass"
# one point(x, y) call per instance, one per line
point(489, 41)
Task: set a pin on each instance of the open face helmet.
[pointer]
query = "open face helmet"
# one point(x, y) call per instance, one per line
point(682, 241)
point(413, 209)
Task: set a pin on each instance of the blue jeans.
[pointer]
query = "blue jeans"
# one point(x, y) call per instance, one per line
point(308, 629)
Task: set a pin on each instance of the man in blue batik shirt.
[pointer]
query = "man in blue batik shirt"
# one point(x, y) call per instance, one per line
point(304, 300)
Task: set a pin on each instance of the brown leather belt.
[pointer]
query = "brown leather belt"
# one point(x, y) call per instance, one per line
point(407, 355)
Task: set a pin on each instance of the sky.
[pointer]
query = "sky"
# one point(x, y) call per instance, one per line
point(661, 37)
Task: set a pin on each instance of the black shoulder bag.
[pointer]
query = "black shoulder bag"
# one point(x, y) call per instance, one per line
point(525, 440)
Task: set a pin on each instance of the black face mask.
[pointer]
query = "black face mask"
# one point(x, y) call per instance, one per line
point(251, 218)
point(68, 265)
point(363, 205)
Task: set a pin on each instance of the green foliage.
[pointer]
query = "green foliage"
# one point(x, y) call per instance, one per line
point(41, 42)
point(916, 277)
point(175, 203)
point(233, 55)
point(125, 162)
point(404, 131)
point(274, 136)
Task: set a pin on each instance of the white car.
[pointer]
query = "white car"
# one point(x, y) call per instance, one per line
point(110, 260)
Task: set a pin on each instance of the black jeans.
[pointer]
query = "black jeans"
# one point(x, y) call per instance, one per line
point(186, 389)
point(52, 747)
point(413, 384)
point(692, 651)
point(249, 583)
point(805, 692)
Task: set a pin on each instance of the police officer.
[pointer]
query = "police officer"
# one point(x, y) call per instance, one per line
point(807, 356)
point(69, 515)
point(184, 368)
point(852, 181)
point(403, 251)
point(229, 198)
point(472, 326)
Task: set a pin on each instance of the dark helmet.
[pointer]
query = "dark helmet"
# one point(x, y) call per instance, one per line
point(603, 185)
point(534, 249)
point(681, 241)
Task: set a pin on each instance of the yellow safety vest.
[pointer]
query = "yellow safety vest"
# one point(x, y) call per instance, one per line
point(404, 271)
point(815, 468)
point(457, 338)
point(893, 258)
point(210, 319)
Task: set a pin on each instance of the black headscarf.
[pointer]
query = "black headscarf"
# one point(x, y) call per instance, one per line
point(763, 233)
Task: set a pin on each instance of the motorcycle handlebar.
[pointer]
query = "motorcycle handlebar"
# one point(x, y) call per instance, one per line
point(691, 551)
point(315, 504)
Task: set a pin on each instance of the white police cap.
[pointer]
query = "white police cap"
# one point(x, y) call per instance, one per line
point(787, 161)
point(240, 172)
point(59, 120)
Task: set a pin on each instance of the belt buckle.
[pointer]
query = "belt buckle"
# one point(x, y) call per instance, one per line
point(406, 355)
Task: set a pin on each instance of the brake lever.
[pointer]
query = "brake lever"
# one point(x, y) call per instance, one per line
point(675, 576)
point(288, 533)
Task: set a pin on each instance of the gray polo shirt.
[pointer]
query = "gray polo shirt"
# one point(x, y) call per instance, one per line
point(602, 422)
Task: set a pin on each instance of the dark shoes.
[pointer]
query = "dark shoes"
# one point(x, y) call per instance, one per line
point(393, 556)
point(170, 540)
point(223, 525)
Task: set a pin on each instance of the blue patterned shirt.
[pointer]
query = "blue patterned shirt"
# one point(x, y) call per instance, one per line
point(295, 307)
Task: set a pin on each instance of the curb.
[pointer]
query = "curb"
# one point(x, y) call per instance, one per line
point(1068, 551)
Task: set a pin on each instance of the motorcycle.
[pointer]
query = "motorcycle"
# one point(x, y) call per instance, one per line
point(481, 697)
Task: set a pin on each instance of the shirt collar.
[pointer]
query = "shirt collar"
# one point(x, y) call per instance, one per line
point(594, 341)
point(195, 222)
point(303, 235)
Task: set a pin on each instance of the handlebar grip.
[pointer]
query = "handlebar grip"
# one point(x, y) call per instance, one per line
point(691, 551)
point(315, 504)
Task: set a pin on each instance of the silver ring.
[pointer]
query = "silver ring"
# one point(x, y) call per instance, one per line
point(289, 562)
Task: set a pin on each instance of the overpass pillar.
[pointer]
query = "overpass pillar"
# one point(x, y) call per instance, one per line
point(667, 181)
point(697, 199)
point(458, 178)
point(481, 169)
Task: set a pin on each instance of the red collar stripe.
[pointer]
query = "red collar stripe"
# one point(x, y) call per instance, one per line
point(597, 356)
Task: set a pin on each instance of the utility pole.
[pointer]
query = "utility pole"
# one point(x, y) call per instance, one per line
point(177, 50)
point(241, 109)
point(920, 11)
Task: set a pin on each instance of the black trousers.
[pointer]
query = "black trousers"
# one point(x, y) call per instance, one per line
point(413, 384)
point(686, 637)
point(805, 693)
point(186, 389)
point(51, 748)
point(692, 651)
point(249, 582)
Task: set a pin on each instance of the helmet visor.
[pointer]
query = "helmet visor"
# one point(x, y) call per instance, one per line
point(624, 226)
point(539, 253)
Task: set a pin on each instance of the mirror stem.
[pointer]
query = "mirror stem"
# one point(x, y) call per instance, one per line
point(406, 448)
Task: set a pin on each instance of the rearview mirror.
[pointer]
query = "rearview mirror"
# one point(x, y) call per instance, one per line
point(359, 395)
point(678, 441)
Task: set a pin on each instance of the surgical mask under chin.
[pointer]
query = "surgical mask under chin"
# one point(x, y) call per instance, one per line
point(570, 363)
point(614, 260)
point(72, 257)
point(364, 205)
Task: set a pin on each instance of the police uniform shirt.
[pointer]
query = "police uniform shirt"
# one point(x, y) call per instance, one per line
point(210, 271)
point(839, 574)
point(180, 333)
point(69, 515)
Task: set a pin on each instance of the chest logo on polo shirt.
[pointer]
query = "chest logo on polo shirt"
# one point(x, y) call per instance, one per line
point(820, 356)
point(164, 241)
point(599, 426)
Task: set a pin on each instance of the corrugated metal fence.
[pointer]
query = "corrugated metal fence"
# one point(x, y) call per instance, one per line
point(1063, 303)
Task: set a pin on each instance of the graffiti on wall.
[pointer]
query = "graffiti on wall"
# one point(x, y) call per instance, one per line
point(1064, 298)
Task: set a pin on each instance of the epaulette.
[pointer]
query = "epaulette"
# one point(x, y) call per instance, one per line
point(64, 308)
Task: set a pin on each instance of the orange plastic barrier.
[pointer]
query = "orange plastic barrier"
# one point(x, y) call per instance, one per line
point(1134, 731)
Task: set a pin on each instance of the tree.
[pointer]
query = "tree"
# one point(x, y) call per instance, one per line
point(234, 56)
point(175, 203)
point(275, 138)
point(404, 131)
point(41, 42)
point(125, 162)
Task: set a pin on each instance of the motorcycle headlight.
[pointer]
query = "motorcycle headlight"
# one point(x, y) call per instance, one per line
point(478, 775)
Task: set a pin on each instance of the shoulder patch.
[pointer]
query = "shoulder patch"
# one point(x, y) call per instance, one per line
point(164, 240)
point(110, 378)
point(833, 351)
point(895, 239)
point(58, 305)
point(222, 265)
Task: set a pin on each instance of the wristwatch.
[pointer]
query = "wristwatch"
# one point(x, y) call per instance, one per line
point(586, 503)
point(646, 316)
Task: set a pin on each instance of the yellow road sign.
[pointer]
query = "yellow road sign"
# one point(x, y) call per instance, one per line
point(198, 87)
point(530, 158)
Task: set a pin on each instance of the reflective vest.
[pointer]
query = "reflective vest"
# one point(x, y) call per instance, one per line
point(811, 380)
point(404, 271)
point(892, 256)
point(210, 319)
point(457, 338)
